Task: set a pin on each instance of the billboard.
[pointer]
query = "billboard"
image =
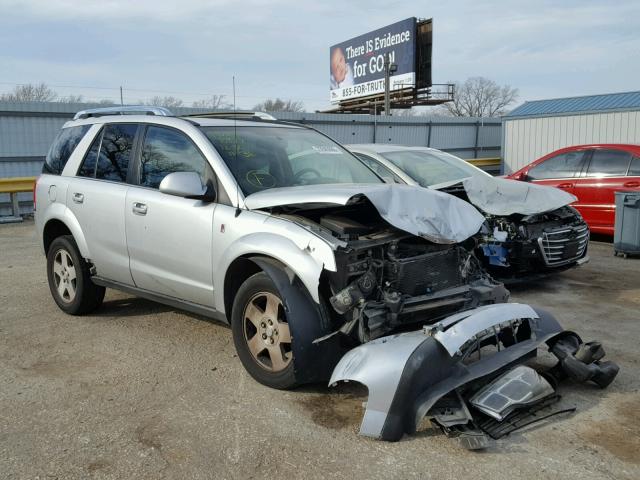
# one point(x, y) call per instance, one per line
point(357, 65)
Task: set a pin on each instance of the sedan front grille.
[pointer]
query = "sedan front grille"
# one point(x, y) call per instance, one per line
point(564, 245)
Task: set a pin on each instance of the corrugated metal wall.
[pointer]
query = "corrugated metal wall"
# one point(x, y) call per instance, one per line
point(527, 139)
point(27, 130)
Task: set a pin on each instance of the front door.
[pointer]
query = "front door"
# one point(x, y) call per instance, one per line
point(169, 237)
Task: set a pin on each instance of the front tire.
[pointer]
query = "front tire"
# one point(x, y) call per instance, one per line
point(69, 278)
point(261, 333)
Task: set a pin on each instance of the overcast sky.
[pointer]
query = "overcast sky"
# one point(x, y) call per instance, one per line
point(279, 48)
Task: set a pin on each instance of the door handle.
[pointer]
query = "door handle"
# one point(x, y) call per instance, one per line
point(139, 208)
point(565, 185)
point(632, 184)
point(78, 197)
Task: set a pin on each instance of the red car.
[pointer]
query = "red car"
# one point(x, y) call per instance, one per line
point(592, 173)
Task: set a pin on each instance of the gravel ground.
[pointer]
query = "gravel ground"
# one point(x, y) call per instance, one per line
point(140, 390)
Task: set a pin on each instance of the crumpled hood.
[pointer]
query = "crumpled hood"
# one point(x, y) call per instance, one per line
point(501, 196)
point(434, 215)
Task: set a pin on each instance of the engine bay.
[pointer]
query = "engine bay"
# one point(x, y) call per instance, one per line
point(388, 279)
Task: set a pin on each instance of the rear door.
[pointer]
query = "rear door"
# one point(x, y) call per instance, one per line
point(606, 172)
point(559, 171)
point(97, 198)
point(169, 237)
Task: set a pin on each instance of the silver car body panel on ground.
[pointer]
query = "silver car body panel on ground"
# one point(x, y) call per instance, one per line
point(436, 216)
point(379, 365)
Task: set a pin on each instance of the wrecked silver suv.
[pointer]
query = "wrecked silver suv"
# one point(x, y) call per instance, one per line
point(271, 227)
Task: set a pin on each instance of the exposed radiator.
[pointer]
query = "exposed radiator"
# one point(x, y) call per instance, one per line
point(425, 273)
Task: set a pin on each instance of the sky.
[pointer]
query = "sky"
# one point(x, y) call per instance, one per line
point(191, 49)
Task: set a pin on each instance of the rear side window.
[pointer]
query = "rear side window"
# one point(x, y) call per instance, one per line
point(116, 147)
point(166, 151)
point(62, 148)
point(565, 165)
point(609, 163)
point(634, 169)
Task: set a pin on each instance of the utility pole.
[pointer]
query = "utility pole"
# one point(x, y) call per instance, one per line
point(121, 100)
point(389, 68)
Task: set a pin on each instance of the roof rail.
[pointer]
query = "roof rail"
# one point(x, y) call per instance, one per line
point(230, 114)
point(123, 110)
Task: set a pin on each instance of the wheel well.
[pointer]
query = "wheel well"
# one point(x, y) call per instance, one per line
point(52, 230)
point(239, 270)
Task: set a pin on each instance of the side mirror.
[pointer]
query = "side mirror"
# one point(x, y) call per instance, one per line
point(187, 185)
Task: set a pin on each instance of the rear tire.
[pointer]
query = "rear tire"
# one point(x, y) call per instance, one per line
point(261, 333)
point(69, 278)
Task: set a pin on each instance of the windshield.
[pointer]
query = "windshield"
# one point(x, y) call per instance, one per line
point(269, 157)
point(432, 167)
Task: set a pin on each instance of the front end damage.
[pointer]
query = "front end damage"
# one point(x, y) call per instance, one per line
point(470, 374)
point(530, 230)
point(518, 245)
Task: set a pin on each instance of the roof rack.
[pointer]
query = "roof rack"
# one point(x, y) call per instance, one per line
point(128, 110)
point(244, 115)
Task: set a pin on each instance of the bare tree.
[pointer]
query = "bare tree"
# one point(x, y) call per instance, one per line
point(480, 97)
point(168, 102)
point(71, 99)
point(279, 105)
point(30, 93)
point(215, 102)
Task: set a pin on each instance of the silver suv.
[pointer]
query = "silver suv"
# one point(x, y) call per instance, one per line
point(271, 227)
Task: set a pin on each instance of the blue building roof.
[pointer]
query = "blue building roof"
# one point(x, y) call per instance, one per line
point(574, 105)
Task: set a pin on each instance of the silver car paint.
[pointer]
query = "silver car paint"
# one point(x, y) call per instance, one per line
point(250, 233)
point(459, 329)
point(439, 217)
point(379, 364)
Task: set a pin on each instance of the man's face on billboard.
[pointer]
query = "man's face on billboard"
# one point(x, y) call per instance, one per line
point(338, 65)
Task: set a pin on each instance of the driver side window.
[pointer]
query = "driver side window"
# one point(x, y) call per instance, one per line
point(165, 151)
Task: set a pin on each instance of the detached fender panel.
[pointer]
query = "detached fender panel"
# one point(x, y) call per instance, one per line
point(407, 374)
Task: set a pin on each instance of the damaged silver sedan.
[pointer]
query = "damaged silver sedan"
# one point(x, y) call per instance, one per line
point(530, 230)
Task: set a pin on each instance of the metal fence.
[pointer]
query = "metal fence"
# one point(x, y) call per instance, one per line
point(27, 130)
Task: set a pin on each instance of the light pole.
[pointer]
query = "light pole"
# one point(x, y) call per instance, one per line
point(389, 68)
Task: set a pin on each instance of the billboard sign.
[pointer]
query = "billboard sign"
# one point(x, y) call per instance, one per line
point(357, 65)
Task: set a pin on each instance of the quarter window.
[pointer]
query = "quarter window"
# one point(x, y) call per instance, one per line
point(565, 165)
point(609, 163)
point(115, 151)
point(634, 169)
point(62, 148)
point(166, 151)
point(88, 167)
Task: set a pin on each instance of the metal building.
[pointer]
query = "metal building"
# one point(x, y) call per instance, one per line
point(539, 127)
point(27, 130)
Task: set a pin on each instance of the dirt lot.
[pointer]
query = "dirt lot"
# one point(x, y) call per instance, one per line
point(140, 390)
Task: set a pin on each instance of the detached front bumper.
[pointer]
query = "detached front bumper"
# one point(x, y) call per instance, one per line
point(408, 374)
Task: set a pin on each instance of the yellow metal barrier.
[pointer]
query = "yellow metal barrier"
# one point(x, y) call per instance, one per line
point(17, 184)
point(485, 162)
point(13, 186)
